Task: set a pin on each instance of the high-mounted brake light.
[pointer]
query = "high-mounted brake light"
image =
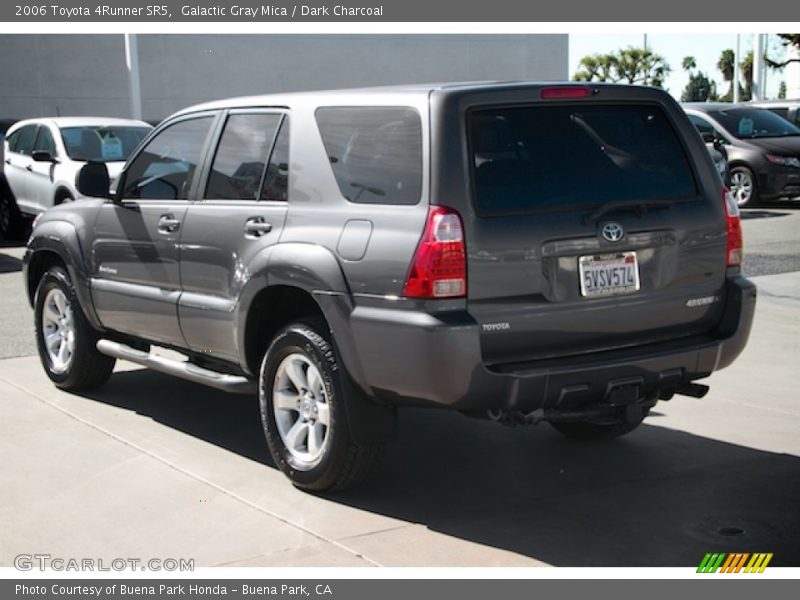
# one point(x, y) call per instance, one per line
point(571, 91)
point(735, 251)
point(439, 268)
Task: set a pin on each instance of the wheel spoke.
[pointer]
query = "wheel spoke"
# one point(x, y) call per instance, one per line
point(323, 413)
point(314, 381)
point(314, 438)
point(285, 400)
point(51, 312)
point(63, 352)
point(297, 434)
point(51, 341)
point(60, 302)
point(294, 370)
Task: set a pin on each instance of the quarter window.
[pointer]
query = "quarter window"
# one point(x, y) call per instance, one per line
point(375, 152)
point(276, 179)
point(166, 167)
point(241, 155)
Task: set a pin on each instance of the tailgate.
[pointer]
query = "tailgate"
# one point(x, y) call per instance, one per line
point(589, 229)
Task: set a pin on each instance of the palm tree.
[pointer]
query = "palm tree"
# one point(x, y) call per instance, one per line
point(747, 74)
point(689, 63)
point(725, 66)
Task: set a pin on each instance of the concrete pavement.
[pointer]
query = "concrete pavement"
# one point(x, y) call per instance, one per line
point(151, 466)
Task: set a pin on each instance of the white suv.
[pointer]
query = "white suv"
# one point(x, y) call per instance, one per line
point(43, 156)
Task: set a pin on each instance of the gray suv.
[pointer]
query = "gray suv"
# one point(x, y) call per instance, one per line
point(518, 252)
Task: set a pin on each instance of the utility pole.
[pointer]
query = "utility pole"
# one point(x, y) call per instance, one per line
point(757, 92)
point(736, 74)
point(134, 83)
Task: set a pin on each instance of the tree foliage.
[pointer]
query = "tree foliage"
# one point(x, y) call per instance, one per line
point(787, 39)
point(699, 89)
point(629, 65)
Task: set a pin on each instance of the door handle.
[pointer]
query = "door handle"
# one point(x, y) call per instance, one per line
point(255, 227)
point(8, 161)
point(29, 167)
point(168, 224)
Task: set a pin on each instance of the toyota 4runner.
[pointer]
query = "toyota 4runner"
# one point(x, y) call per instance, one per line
point(521, 252)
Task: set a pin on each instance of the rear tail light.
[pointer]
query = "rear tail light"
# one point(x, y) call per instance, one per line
point(439, 268)
point(734, 222)
point(571, 91)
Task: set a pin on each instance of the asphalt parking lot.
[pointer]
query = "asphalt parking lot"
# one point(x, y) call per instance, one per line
point(151, 467)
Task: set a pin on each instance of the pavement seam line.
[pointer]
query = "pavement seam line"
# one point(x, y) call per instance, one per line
point(195, 476)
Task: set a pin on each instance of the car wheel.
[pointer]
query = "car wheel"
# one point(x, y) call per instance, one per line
point(743, 186)
point(65, 339)
point(9, 214)
point(588, 431)
point(303, 393)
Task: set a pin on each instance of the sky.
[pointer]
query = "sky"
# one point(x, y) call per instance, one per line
point(706, 49)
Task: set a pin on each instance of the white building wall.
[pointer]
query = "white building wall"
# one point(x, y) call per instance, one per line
point(86, 74)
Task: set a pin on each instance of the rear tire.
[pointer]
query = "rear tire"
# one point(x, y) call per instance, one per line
point(65, 339)
point(597, 432)
point(303, 393)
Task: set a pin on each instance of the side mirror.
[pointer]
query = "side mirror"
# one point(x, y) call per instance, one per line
point(93, 180)
point(43, 156)
point(708, 137)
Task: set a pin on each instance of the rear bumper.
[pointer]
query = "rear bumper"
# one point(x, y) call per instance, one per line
point(415, 358)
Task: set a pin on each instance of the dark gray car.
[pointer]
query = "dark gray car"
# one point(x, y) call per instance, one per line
point(763, 149)
point(519, 252)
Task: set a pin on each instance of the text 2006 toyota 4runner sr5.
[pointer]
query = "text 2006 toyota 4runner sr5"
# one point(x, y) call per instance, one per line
point(522, 252)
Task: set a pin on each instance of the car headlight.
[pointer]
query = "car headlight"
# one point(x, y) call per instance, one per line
point(785, 161)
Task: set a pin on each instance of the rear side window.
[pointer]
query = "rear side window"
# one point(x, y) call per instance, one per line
point(563, 157)
point(24, 139)
point(375, 152)
point(241, 155)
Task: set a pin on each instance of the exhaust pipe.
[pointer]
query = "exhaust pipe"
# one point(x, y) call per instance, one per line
point(693, 390)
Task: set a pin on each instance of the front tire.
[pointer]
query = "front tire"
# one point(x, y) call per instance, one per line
point(65, 339)
point(302, 395)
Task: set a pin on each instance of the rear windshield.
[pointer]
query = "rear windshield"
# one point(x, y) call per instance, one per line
point(749, 123)
point(102, 144)
point(375, 152)
point(553, 157)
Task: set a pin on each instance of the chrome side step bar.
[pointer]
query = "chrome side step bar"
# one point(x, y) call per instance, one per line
point(236, 384)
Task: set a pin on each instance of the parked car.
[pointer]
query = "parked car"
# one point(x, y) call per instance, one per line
point(763, 149)
point(788, 109)
point(43, 156)
point(9, 215)
point(520, 252)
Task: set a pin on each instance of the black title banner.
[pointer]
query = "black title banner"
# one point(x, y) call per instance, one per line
point(392, 11)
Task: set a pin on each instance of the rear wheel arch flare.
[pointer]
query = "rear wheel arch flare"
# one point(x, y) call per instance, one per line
point(271, 309)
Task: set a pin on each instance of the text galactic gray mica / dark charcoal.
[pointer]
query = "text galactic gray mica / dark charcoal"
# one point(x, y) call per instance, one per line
point(346, 253)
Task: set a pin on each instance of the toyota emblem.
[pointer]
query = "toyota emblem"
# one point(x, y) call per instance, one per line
point(613, 232)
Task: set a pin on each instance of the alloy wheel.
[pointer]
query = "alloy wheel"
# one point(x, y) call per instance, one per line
point(302, 411)
point(58, 330)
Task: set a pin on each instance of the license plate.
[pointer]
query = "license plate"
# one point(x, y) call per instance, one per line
point(608, 274)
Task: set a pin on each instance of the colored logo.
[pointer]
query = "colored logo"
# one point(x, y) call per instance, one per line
point(737, 562)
